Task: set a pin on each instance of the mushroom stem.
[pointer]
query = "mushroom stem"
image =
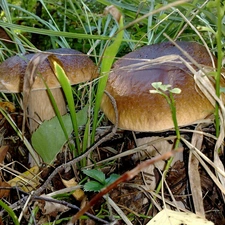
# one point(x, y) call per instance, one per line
point(40, 107)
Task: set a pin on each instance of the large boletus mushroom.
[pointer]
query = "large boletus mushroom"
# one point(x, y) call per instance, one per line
point(78, 67)
point(140, 110)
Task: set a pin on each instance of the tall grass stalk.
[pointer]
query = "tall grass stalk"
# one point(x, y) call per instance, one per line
point(67, 90)
point(161, 89)
point(107, 61)
point(220, 14)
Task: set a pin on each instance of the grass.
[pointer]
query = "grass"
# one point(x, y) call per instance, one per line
point(80, 25)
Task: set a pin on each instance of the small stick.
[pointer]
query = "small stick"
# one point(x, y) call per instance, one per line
point(74, 161)
point(125, 177)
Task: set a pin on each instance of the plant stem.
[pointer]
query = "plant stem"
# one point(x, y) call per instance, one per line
point(219, 62)
point(170, 100)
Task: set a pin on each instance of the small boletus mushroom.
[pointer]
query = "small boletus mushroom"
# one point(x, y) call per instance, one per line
point(140, 110)
point(78, 67)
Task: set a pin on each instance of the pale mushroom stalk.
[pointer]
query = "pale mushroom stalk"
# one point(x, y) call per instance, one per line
point(40, 107)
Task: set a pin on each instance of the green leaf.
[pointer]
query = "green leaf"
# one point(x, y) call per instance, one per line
point(96, 174)
point(49, 138)
point(93, 186)
point(156, 85)
point(165, 87)
point(175, 90)
point(111, 179)
point(155, 92)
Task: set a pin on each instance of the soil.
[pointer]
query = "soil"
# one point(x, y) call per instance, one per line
point(133, 197)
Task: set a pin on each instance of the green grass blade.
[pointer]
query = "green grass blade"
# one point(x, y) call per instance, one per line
point(51, 32)
point(10, 212)
point(67, 90)
point(107, 61)
point(59, 116)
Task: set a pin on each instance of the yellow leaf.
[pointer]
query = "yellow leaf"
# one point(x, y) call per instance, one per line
point(77, 194)
point(27, 181)
point(168, 217)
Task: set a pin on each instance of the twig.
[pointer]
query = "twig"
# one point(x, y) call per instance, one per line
point(79, 158)
point(23, 202)
point(125, 177)
point(69, 205)
point(36, 193)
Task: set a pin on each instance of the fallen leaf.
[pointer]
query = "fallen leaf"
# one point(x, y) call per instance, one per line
point(170, 217)
point(49, 138)
point(77, 194)
point(8, 106)
point(27, 181)
point(115, 13)
point(3, 152)
point(4, 192)
point(51, 208)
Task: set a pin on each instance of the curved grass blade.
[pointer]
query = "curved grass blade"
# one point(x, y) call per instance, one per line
point(10, 212)
point(107, 61)
point(66, 86)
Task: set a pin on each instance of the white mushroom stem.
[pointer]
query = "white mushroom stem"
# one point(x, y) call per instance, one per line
point(40, 107)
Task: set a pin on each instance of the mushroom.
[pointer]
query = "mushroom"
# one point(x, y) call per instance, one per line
point(78, 67)
point(140, 110)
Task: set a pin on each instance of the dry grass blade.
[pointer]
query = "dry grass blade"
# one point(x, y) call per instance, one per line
point(138, 149)
point(29, 79)
point(207, 88)
point(119, 211)
point(208, 170)
point(194, 176)
point(148, 63)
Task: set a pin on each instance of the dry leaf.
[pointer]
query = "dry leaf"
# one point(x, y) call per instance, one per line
point(77, 194)
point(8, 106)
point(115, 13)
point(27, 181)
point(169, 217)
point(4, 37)
point(3, 152)
point(4, 192)
point(51, 208)
point(155, 147)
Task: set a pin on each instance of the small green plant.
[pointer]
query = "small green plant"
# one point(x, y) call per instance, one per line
point(99, 180)
point(162, 89)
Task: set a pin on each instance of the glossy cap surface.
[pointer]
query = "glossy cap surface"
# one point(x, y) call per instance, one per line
point(140, 110)
point(78, 67)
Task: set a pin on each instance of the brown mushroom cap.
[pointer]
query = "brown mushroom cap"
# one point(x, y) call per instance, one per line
point(140, 110)
point(78, 67)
